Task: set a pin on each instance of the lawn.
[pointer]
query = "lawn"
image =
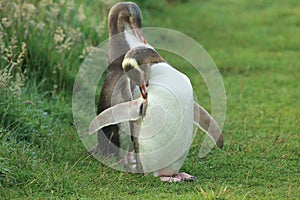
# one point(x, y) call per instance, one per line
point(256, 46)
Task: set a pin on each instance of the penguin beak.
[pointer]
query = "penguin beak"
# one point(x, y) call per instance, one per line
point(138, 34)
point(143, 90)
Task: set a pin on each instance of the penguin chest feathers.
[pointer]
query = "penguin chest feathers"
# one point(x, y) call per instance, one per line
point(166, 131)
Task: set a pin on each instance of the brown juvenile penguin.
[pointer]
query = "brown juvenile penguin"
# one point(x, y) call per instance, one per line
point(124, 25)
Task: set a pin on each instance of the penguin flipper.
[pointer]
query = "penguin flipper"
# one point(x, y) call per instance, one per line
point(122, 112)
point(208, 124)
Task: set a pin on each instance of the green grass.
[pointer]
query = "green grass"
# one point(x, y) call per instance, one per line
point(255, 45)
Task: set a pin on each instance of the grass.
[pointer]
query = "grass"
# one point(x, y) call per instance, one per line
point(255, 45)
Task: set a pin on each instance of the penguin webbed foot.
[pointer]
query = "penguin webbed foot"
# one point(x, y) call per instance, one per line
point(129, 158)
point(129, 162)
point(176, 178)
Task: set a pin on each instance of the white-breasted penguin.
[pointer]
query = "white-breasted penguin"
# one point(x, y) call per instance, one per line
point(165, 128)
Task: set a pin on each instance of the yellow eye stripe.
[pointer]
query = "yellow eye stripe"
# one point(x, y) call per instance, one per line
point(129, 64)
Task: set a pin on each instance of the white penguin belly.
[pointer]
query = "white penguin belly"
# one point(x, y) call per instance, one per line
point(166, 131)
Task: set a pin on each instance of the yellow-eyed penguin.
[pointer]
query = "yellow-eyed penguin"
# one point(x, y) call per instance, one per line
point(125, 33)
point(163, 116)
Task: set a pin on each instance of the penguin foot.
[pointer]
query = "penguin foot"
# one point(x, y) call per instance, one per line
point(129, 162)
point(178, 178)
point(129, 159)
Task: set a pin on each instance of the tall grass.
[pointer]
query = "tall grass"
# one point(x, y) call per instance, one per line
point(55, 35)
point(42, 44)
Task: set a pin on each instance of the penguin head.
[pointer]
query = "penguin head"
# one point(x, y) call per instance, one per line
point(137, 65)
point(127, 15)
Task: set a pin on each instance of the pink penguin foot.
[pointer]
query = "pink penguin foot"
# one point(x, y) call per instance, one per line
point(177, 178)
point(129, 162)
point(129, 158)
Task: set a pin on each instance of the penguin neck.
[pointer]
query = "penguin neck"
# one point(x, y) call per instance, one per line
point(121, 42)
point(117, 46)
point(133, 41)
